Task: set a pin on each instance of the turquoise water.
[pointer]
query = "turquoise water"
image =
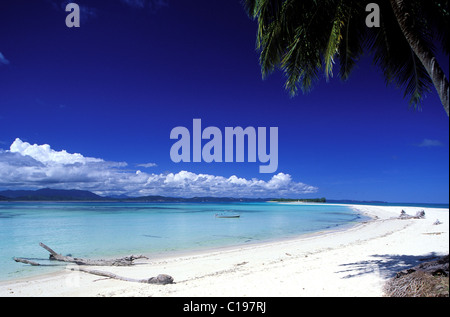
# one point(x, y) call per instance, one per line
point(94, 230)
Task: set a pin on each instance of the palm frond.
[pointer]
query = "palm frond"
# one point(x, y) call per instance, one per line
point(249, 7)
point(334, 40)
point(352, 44)
point(271, 38)
point(416, 81)
point(399, 64)
point(305, 37)
point(437, 15)
point(271, 44)
point(301, 63)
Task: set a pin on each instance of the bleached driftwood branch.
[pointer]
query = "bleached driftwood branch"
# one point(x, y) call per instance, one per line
point(161, 279)
point(21, 260)
point(125, 261)
point(419, 215)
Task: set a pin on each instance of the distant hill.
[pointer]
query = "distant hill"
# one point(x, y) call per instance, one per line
point(194, 199)
point(300, 200)
point(122, 196)
point(50, 195)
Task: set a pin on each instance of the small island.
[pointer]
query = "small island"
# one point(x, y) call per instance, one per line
point(300, 200)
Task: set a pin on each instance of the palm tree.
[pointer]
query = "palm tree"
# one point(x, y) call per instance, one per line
point(306, 37)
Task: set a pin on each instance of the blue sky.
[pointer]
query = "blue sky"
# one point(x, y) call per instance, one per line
point(112, 90)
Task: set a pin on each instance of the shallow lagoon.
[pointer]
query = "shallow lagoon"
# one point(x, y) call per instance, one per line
point(108, 229)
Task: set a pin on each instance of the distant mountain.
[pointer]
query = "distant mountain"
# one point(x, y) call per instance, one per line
point(300, 200)
point(50, 194)
point(194, 199)
point(122, 196)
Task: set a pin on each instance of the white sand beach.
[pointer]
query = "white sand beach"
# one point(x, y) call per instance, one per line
point(352, 262)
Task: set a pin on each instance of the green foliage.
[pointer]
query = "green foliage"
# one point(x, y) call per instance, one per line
point(304, 38)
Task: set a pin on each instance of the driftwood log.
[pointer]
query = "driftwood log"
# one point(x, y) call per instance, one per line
point(419, 215)
point(21, 260)
point(125, 261)
point(161, 279)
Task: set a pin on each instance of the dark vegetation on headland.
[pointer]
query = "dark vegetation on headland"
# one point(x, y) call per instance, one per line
point(307, 200)
point(48, 194)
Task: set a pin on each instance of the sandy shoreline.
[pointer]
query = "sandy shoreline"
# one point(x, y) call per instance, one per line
point(352, 262)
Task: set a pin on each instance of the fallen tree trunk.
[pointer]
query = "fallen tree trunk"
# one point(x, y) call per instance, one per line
point(21, 260)
point(161, 279)
point(419, 215)
point(125, 261)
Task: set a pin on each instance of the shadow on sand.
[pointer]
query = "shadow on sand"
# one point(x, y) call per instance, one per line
point(387, 265)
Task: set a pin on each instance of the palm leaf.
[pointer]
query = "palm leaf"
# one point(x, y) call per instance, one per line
point(302, 60)
point(305, 37)
point(416, 81)
point(272, 49)
point(398, 62)
point(351, 47)
point(334, 40)
point(249, 7)
point(437, 16)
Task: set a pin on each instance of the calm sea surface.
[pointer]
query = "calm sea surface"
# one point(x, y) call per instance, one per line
point(116, 229)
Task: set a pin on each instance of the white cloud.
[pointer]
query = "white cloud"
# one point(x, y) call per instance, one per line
point(43, 153)
point(36, 166)
point(430, 143)
point(3, 60)
point(146, 165)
